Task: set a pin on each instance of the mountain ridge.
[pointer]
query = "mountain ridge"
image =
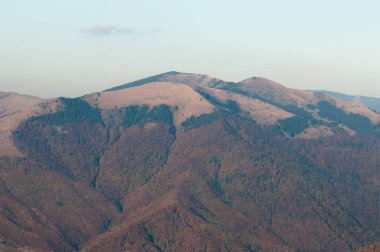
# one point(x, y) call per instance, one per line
point(262, 100)
point(372, 102)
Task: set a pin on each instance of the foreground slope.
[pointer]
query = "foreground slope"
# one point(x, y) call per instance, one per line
point(169, 166)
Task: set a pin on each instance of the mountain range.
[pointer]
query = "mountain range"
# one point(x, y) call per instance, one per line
point(188, 162)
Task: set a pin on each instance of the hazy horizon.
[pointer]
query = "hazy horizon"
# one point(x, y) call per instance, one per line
point(72, 48)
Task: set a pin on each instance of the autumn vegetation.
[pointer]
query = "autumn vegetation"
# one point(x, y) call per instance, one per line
point(129, 179)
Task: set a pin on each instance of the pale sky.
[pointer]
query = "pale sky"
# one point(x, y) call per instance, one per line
point(69, 48)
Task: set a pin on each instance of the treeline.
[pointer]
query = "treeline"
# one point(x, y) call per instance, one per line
point(294, 125)
point(197, 121)
point(229, 105)
point(359, 123)
point(133, 115)
point(74, 110)
point(237, 88)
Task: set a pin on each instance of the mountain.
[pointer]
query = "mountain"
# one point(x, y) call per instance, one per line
point(371, 102)
point(188, 162)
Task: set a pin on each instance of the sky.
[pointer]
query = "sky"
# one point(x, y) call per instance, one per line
point(70, 48)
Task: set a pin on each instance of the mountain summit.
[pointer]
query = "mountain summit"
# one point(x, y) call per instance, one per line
point(188, 162)
point(193, 80)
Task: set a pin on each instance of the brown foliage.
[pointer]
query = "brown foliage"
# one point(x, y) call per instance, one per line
point(231, 185)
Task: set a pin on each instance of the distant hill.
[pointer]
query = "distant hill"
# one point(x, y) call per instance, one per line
point(188, 162)
point(372, 102)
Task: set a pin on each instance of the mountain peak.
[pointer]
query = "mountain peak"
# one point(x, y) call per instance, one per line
point(263, 82)
point(276, 92)
point(190, 79)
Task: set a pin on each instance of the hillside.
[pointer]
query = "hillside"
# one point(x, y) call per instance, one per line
point(14, 108)
point(371, 102)
point(188, 162)
point(371, 248)
point(184, 99)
